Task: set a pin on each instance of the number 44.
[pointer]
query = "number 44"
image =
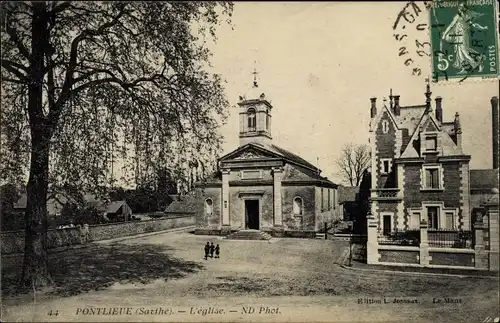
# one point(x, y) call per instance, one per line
point(51, 312)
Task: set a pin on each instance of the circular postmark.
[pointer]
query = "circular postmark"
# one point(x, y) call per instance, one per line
point(411, 32)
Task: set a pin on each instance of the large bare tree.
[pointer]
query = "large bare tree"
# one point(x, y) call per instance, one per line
point(352, 162)
point(83, 82)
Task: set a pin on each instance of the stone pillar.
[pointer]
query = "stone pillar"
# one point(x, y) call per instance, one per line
point(481, 256)
point(424, 244)
point(494, 248)
point(225, 200)
point(372, 255)
point(278, 214)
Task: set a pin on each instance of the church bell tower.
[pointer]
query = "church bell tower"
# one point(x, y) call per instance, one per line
point(255, 116)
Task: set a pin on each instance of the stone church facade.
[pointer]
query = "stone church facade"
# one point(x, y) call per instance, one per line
point(262, 186)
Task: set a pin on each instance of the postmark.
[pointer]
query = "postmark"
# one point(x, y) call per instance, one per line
point(410, 31)
point(464, 39)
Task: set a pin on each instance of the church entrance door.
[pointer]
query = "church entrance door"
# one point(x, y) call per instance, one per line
point(252, 214)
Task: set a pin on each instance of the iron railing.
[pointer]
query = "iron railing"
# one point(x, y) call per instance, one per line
point(446, 238)
point(401, 238)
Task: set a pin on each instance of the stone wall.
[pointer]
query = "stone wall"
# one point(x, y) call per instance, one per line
point(13, 241)
point(204, 220)
point(400, 256)
point(445, 257)
point(308, 219)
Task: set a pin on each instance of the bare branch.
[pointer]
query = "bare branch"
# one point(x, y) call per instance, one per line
point(353, 162)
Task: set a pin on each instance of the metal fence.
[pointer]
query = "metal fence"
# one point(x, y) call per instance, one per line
point(443, 238)
point(401, 238)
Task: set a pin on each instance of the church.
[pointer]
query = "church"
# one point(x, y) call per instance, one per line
point(263, 187)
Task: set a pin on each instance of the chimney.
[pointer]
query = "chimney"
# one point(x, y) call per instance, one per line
point(494, 130)
point(373, 110)
point(397, 108)
point(439, 109)
point(390, 98)
point(458, 130)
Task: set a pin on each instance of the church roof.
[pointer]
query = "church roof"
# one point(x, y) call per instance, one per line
point(276, 150)
point(287, 155)
point(272, 151)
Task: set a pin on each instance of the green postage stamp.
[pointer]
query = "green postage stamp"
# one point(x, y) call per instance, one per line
point(464, 39)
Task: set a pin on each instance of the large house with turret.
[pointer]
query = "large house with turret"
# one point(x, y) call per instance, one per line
point(419, 171)
point(263, 187)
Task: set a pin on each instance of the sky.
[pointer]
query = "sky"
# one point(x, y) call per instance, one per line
point(320, 62)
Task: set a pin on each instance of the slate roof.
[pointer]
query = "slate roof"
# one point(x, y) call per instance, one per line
point(347, 193)
point(187, 203)
point(113, 207)
point(288, 155)
point(483, 179)
point(55, 205)
point(409, 117)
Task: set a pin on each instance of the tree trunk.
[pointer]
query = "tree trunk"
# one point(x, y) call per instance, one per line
point(35, 265)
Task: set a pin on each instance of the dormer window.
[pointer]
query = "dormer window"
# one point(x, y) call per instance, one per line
point(251, 117)
point(431, 143)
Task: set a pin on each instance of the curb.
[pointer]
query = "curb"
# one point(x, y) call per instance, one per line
point(415, 273)
point(80, 246)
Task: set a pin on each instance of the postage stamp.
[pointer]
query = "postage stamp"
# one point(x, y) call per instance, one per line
point(198, 161)
point(464, 39)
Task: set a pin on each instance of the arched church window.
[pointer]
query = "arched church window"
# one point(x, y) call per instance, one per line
point(298, 206)
point(252, 124)
point(208, 207)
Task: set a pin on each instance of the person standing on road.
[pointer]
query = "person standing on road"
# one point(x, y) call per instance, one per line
point(217, 251)
point(212, 249)
point(207, 250)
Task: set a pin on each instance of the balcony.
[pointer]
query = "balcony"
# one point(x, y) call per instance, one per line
point(386, 194)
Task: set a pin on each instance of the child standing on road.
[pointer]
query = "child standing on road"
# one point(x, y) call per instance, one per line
point(207, 250)
point(212, 248)
point(217, 251)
